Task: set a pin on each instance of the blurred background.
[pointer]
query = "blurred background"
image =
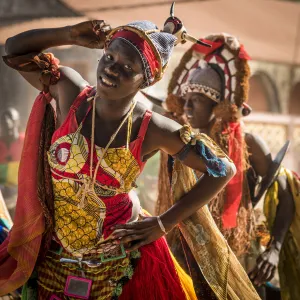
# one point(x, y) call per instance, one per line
point(269, 30)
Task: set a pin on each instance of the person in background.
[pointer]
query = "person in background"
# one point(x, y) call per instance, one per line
point(11, 145)
point(209, 91)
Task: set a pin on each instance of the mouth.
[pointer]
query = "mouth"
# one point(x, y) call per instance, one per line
point(189, 116)
point(106, 82)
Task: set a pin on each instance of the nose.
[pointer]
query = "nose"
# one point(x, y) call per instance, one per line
point(187, 105)
point(112, 70)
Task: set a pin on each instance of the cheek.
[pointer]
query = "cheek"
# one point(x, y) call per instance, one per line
point(100, 65)
point(138, 79)
point(203, 111)
point(133, 82)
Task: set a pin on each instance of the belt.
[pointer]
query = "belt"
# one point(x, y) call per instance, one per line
point(93, 261)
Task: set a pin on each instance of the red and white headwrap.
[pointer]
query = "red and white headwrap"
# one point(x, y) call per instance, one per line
point(153, 46)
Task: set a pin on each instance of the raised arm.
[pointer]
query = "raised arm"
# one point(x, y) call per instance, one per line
point(217, 170)
point(90, 34)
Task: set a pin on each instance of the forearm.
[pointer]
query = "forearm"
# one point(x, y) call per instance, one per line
point(284, 217)
point(202, 193)
point(285, 211)
point(37, 40)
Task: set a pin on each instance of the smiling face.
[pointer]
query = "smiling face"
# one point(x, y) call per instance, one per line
point(120, 72)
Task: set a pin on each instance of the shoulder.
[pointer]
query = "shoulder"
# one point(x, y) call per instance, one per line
point(162, 125)
point(162, 134)
point(255, 144)
point(259, 153)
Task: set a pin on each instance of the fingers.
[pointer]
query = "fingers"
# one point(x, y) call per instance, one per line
point(263, 268)
point(100, 26)
point(134, 225)
point(106, 28)
point(262, 274)
point(137, 246)
point(253, 273)
point(272, 274)
point(125, 232)
point(132, 238)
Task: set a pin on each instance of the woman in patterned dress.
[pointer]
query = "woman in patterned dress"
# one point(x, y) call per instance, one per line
point(103, 245)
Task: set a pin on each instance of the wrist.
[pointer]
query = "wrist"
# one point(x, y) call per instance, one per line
point(274, 244)
point(167, 222)
point(70, 34)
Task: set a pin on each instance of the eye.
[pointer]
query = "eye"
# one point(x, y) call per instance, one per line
point(127, 68)
point(108, 57)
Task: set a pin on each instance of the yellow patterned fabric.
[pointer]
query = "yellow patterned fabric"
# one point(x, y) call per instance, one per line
point(80, 229)
point(289, 261)
point(218, 264)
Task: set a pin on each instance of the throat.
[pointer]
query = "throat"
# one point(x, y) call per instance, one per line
point(113, 110)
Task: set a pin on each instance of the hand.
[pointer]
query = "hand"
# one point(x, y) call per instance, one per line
point(138, 233)
point(265, 266)
point(90, 34)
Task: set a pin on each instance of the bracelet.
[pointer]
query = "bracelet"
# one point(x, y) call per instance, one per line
point(161, 225)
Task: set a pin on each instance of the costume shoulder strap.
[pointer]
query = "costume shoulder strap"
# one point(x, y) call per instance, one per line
point(145, 124)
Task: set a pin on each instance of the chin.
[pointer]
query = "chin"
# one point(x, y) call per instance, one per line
point(107, 93)
point(193, 123)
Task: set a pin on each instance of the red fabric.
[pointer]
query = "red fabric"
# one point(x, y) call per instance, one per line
point(70, 125)
point(143, 46)
point(234, 188)
point(206, 50)
point(119, 207)
point(155, 276)
point(13, 151)
point(215, 45)
point(243, 53)
point(18, 253)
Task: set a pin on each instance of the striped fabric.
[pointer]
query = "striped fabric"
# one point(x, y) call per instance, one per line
point(52, 276)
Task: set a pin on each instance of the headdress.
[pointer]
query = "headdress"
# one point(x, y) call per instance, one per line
point(154, 47)
point(224, 65)
point(226, 57)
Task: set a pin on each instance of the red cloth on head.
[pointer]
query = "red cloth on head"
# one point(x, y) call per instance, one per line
point(206, 50)
point(143, 46)
point(19, 252)
point(234, 188)
point(243, 53)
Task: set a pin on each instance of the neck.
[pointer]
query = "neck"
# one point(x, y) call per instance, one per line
point(207, 129)
point(13, 136)
point(113, 110)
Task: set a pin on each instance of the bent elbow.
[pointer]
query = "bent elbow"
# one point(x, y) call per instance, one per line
point(7, 46)
point(230, 170)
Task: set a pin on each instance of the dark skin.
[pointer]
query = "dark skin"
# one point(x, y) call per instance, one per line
point(119, 77)
point(199, 110)
point(10, 121)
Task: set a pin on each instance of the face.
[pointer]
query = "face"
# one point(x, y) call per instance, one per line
point(198, 109)
point(9, 122)
point(120, 73)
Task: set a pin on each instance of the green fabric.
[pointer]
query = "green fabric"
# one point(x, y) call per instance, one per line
point(30, 288)
point(3, 173)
